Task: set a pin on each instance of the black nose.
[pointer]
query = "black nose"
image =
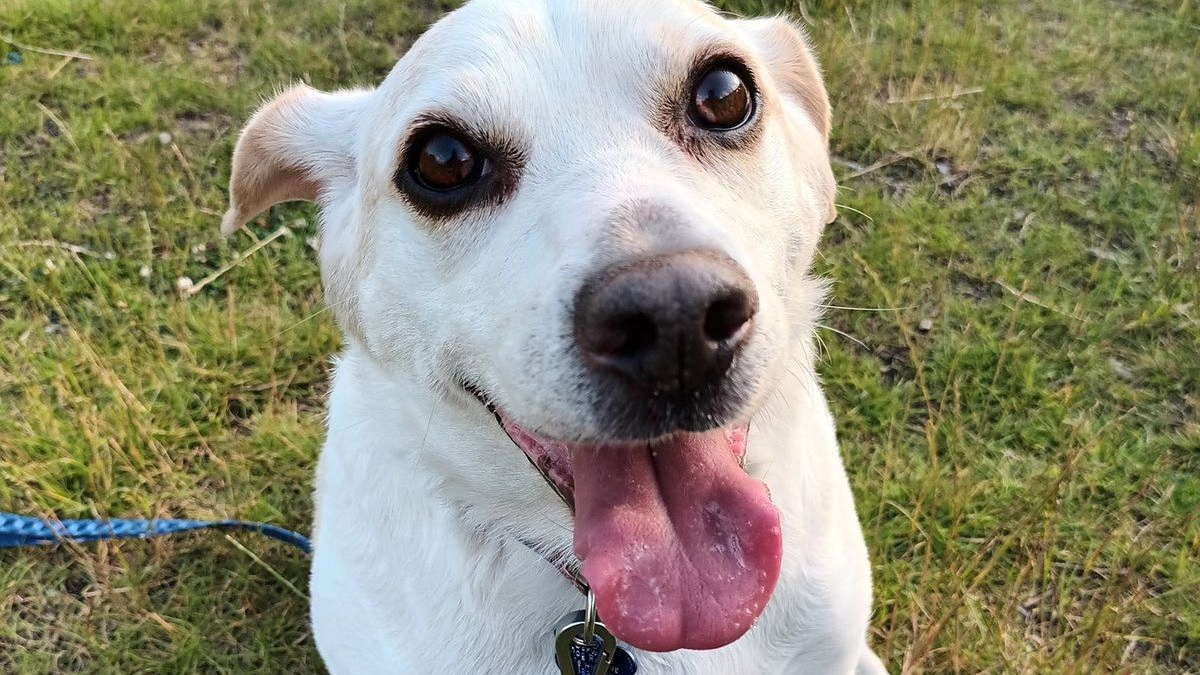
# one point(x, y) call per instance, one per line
point(668, 323)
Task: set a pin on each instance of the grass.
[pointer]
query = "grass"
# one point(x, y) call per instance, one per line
point(1020, 416)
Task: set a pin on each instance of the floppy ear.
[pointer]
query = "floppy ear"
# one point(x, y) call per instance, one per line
point(788, 54)
point(297, 146)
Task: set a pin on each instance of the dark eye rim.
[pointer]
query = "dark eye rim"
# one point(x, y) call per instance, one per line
point(743, 72)
point(493, 177)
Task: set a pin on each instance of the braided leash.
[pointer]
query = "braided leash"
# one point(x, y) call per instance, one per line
point(24, 531)
point(21, 531)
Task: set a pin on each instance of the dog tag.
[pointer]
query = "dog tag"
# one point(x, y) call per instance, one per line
point(584, 646)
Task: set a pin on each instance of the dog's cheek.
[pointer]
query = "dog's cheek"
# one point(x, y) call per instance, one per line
point(809, 158)
point(807, 226)
point(381, 284)
point(797, 192)
point(537, 369)
point(344, 255)
point(793, 194)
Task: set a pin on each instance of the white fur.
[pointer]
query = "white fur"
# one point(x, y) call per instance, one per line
point(422, 501)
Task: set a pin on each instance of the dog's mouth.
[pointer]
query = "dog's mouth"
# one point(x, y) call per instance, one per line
point(681, 547)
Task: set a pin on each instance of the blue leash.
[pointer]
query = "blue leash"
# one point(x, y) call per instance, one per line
point(21, 531)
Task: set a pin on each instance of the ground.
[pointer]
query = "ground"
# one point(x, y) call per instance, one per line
point(1011, 351)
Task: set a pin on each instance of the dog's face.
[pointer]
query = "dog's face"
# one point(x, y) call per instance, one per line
point(597, 219)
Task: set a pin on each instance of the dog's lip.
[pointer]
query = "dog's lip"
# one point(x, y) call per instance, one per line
point(551, 457)
point(478, 395)
point(555, 469)
point(498, 412)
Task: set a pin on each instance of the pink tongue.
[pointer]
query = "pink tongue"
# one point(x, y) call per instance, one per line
point(681, 547)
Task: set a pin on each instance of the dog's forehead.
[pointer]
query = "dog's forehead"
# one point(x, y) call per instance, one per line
point(499, 55)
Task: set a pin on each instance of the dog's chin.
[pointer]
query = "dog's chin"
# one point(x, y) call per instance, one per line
point(681, 547)
point(618, 416)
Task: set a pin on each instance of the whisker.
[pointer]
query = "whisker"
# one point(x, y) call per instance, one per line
point(823, 348)
point(846, 335)
point(310, 317)
point(428, 426)
point(805, 382)
point(366, 419)
point(867, 309)
point(546, 515)
point(854, 210)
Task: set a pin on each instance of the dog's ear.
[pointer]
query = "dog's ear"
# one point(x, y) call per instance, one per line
point(297, 146)
point(785, 48)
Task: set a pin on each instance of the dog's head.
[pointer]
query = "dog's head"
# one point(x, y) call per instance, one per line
point(595, 218)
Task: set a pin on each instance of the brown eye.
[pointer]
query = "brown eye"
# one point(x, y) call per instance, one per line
point(721, 101)
point(445, 162)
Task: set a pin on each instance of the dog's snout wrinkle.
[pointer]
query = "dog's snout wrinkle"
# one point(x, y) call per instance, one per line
point(666, 324)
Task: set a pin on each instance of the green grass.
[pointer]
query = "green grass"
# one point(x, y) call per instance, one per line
point(1022, 176)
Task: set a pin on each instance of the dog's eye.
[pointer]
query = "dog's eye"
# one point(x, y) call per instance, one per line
point(444, 162)
point(445, 170)
point(721, 100)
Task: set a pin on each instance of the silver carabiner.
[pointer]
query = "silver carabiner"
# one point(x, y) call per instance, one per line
point(589, 621)
point(581, 634)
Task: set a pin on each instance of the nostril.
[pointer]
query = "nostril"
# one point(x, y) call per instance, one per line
point(665, 325)
point(629, 336)
point(727, 316)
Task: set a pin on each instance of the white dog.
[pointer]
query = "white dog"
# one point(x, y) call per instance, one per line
point(569, 242)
